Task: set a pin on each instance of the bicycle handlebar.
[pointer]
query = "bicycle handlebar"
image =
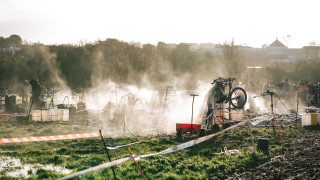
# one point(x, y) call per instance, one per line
point(268, 92)
point(223, 80)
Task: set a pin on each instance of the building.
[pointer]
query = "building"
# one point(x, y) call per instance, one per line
point(312, 52)
point(275, 52)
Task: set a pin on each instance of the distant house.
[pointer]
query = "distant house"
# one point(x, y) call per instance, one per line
point(11, 49)
point(193, 46)
point(212, 48)
point(277, 48)
point(275, 52)
point(312, 52)
point(296, 54)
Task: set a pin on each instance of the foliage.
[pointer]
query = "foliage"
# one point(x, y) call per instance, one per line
point(86, 65)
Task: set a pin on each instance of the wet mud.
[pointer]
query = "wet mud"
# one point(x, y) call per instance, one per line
point(299, 160)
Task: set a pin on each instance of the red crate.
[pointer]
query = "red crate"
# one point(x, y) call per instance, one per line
point(196, 128)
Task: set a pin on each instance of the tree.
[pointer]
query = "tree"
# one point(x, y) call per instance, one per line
point(232, 59)
point(3, 42)
point(312, 43)
point(14, 40)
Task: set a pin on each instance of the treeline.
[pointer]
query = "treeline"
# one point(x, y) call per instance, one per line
point(83, 66)
point(144, 65)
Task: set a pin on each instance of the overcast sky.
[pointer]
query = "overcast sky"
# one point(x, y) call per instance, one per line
point(249, 22)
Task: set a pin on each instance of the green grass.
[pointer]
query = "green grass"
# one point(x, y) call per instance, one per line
point(196, 162)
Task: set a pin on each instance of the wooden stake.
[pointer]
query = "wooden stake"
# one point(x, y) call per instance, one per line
point(278, 129)
point(249, 124)
point(137, 164)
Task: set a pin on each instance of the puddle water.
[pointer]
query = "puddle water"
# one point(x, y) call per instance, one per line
point(14, 168)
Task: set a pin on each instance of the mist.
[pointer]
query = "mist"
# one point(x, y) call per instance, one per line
point(111, 73)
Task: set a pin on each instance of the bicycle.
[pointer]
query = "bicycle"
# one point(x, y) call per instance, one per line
point(237, 96)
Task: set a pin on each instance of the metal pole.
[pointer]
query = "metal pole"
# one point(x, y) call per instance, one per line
point(229, 108)
point(105, 146)
point(117, 94)
point(193, 95)
point(31, 102)
point(0, 99)
point(297, 113)
point(273, 122)
point(165, 98)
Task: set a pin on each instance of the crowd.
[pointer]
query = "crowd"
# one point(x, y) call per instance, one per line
point(306, 92)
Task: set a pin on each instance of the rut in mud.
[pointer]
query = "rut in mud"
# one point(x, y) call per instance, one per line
point(299, 160)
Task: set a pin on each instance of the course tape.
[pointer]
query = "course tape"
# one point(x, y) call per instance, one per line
point(309, 107)
point(96, 168)
point(13, 115)
point(117, 147)
point(138, 157)
point(49, 138)
point(261, 119)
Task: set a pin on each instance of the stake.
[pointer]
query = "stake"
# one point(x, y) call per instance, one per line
point(278, 129)
point(31, 102)
point(0, 99)
point(117, 94)
point(193, 95)
point(274, 117)
point(274, 131)
point(249, 124)
point(137, 164)
point(105, 146)
point(165, 98)
point(297, 113)
point(124, 120)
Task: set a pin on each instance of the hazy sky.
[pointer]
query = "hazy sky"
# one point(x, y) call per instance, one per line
point(250, 22)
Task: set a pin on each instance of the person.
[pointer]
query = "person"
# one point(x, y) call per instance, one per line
point(36, 90)
point(311, 94)
point(219, 90)
point(25, 92)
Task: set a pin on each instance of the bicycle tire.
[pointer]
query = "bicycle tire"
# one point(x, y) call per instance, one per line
point(236, 95)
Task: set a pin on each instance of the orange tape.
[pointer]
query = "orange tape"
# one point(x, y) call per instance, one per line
point(49, 138)
point(12, 115)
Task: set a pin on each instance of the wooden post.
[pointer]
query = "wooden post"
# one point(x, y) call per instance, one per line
point(249, 124)
point(297, 113)
point(165, 99)
point(193, 95)
point(140, 171)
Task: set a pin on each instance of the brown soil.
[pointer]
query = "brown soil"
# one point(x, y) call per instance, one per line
point(299, 160)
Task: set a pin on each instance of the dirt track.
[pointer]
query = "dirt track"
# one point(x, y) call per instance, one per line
point(299, 160)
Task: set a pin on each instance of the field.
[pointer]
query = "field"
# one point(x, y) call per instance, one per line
point(54, 159)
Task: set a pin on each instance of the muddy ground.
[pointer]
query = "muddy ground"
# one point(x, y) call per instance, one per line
point(300, 159)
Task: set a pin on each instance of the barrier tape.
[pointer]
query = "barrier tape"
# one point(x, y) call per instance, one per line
point(117, 147)
point(49, 138)
point(261, 119)
point(45, 115)
point(96, 168)
point(138, 157)
point(13, 115)
point(309, 107)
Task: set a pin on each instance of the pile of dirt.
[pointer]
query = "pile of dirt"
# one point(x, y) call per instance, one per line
point(300, 160)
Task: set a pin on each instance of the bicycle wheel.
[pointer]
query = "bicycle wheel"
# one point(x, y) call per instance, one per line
point(238, 97)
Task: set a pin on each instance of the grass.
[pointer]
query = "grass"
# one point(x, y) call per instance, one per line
point(196, 162)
